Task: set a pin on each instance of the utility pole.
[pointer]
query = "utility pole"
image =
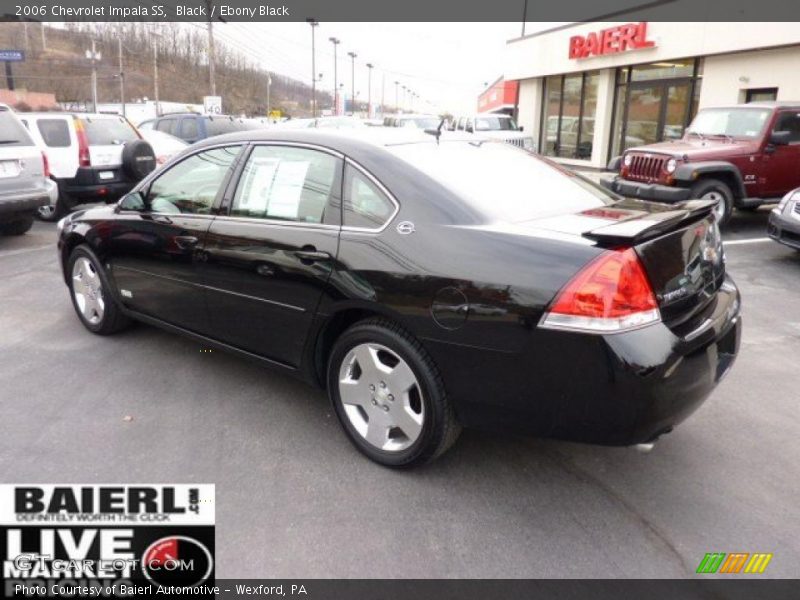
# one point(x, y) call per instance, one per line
point(396, 98)
point(269, 84)
point(93, 55)
point(121, 77)
point(369, 90)
point(44, 38)
point(212, 54)
point(314, 24)
point(25, 29)
point(335, 42)
point(352, 56)
point(383, 93)
point(155, 73)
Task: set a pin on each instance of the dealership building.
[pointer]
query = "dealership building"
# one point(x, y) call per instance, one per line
point(589, 90)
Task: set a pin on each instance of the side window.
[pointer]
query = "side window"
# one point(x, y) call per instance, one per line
point(166, 125)
point(789, 121)
point(191, 186)
point(55, 132)
point(365, 205)
point(189, 129)
point(286, 183)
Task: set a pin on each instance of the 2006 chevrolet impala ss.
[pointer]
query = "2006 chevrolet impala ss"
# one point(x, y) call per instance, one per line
point(427, 284)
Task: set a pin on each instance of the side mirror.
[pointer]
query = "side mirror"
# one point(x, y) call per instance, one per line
point(134, 201)
point(521, 128)
point(780, 138)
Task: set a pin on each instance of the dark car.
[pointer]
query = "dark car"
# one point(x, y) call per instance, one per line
point(193, 127)
point(426, 284)
point(739, 156)
point(784, 220)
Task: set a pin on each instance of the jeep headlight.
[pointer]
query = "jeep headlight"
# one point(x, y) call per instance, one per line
point(627, 160)
point(671, 165)
point(527, 143)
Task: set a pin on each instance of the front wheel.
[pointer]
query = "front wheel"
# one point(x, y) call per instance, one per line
point(719, 192)
point(91, 294)
point(389, 396)
point(17, 227)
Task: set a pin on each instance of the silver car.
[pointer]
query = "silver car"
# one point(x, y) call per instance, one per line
point(24, 182)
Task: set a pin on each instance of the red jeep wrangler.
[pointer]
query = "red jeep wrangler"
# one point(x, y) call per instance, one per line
point(742, 156)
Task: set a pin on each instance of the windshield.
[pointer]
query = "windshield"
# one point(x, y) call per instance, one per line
point(421, 122)
point(732, 122)
point(107, 131)
point(503, 181)
point(495, 124)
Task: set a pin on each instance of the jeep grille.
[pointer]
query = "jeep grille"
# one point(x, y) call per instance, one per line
point(646, 167)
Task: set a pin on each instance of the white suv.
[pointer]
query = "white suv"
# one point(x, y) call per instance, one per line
point(496, 127)
point(93, 157)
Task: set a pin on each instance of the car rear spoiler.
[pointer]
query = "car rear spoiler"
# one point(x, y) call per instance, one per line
point(651, 225)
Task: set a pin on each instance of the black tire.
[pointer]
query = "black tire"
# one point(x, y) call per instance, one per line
point(440, 429)
point(715, 187)
point(19, 226)
point(138, 160)
point(113, 319)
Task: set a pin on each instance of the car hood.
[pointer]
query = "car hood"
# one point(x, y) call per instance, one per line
point(694, 148)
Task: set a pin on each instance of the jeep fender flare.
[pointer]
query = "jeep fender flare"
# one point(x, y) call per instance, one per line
point(689, 173)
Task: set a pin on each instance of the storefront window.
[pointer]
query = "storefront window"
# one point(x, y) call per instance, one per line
point(654, 102)
point(551, 114)
point(569, 113)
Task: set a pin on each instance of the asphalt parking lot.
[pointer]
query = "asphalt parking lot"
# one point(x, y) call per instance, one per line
point(295, 500)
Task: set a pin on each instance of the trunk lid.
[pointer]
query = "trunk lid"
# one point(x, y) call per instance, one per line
point(679, 245)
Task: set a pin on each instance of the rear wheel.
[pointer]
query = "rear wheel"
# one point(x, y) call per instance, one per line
point(389, 396)
point(19, 226)
point(719, 192)
point(91, 294)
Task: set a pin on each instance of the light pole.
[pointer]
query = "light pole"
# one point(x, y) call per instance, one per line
point(269, 84)
point(335, 42)
point(352, 56)
point(405, 97)
point(314, 24)
point(93, 55)
point(369, 90)
point(396, 97)
point(155, 72)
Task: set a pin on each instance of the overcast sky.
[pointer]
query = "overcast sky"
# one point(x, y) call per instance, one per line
point(445, 63)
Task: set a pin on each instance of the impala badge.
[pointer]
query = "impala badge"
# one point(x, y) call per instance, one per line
point(405, 228)
point(126, 293)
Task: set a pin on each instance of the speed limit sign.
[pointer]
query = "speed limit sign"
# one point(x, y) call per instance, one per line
point(212, 105)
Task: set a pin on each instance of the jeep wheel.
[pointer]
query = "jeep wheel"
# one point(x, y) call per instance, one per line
point(719, 192)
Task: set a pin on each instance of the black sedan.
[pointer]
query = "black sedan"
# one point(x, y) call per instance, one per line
point(427, 284)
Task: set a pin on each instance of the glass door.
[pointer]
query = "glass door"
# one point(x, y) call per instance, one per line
point(655, 111)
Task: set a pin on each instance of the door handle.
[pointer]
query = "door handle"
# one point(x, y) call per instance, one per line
point(312, 254)
point(184, 242)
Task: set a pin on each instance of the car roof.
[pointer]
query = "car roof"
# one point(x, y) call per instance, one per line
point(352, 142)
point(58, 113)
point(762, 104)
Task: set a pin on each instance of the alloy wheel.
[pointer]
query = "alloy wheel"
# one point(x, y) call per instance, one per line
point(381, 397)
point(719, 206)
point(88, 291)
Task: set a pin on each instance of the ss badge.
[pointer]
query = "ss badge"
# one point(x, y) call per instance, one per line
point(405, 228)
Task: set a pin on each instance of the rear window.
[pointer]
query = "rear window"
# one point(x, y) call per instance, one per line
point(55, 132)
point(108, 131)
point(503, 181)
point(220, 125)
point(12, 132)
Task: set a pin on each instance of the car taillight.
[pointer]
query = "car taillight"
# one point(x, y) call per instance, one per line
point(84, 159)
point(45, 165)
point(609, 295)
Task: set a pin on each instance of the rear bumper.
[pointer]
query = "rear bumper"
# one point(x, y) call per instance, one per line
point(613, 390)
point(29, 201)
point(94, 184)
point(645, 191)
point(785, 230)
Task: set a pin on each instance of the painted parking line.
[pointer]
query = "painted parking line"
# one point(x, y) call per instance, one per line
point(25, 250)
point(750, 241)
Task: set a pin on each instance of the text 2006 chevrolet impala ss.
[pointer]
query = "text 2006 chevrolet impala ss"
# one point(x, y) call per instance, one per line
point(427, 285)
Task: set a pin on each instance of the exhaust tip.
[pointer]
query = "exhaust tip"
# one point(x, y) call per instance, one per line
point(644, 448)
